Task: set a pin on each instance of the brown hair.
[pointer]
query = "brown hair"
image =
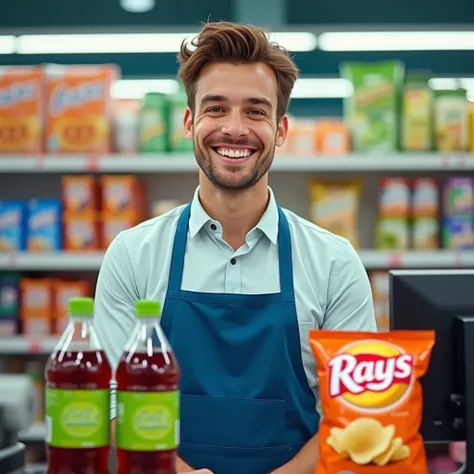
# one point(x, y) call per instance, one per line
point(225, 41)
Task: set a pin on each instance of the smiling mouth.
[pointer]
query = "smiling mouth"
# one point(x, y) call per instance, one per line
point(234, 153)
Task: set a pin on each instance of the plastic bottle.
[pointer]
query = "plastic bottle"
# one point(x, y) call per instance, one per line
point(148, 375)
point(78, 377)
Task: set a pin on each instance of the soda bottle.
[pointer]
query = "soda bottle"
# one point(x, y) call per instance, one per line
point(147, 377)
point(78, 377)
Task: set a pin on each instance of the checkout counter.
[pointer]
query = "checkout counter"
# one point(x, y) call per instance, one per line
point(17, 413)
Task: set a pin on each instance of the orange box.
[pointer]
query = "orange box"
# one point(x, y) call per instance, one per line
point(332, 138)
point(21, 109)
point(122, 193)
point(81, 231)
point(63, 291)
point(79, 108)
point(80, 193)
point(302, 139)
point(36, 307)
point(112, 224)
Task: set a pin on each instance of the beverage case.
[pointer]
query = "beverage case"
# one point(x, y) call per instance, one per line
point(78, 377)
point(147, 425)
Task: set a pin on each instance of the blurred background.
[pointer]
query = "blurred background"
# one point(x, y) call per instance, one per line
point(380, 150)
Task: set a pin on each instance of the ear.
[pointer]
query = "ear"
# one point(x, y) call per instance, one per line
point(282, 131)
point(188, 123)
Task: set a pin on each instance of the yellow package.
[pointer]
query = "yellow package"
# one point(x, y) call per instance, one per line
point(335, 207)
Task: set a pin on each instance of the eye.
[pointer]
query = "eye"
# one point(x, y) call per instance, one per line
point(257, 112)
point(214, 109)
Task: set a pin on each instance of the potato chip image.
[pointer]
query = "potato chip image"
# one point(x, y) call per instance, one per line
point(337, 447)
point(371, 400)
point(401, 453)
point(366, 438)
point(387, 455)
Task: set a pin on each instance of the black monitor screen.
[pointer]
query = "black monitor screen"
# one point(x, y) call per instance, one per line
point(434, 299)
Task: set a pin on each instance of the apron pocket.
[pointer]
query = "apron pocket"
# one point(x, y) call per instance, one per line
point(238, 460)
point(232, 422)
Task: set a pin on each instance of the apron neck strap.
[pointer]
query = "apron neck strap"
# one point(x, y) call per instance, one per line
point(284, 252)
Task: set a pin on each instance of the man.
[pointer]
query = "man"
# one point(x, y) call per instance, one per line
point(242, 281)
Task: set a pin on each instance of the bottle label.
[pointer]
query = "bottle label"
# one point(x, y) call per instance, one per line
point(77, 418)
point(147, 421)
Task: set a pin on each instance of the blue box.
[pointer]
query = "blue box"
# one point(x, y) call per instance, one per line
point(458, 233)
point(12, 226)
point(44, 225)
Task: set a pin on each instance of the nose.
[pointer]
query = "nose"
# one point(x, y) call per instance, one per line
point(235, 126)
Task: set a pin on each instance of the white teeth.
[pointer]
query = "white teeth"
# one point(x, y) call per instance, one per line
point(234, 153)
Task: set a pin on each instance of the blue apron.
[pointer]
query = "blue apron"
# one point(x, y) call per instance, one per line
point(246, 407)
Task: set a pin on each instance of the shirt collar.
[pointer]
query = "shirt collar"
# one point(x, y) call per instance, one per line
point(268, 223)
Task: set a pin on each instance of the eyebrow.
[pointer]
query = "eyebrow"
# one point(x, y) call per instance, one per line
point(251, 100)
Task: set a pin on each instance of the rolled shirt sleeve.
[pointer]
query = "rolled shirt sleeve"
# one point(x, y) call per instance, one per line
point(114, 314)
point(350, 303)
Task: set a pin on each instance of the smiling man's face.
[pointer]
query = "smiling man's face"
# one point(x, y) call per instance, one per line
point(234, 128)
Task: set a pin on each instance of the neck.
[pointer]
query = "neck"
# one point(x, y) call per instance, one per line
point(237, 211)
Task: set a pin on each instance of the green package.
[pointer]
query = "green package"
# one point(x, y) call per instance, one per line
point(372, 111)
point(154, 124)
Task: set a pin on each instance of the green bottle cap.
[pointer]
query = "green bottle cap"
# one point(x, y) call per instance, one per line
point(81, 306)
point(148, 309)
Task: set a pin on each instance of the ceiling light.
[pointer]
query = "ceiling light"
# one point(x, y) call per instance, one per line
point(101, 43)
point(7, 44)
point(137, 88)
point(397, 41)
point(295, 41)
point(322, 88)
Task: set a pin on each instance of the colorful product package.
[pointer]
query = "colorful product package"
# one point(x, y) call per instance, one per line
point(392, 233)
point(12, 226)
point(154, 123)
point(425, 233)
point(335, 207)
point(394, 198)
point(44, 232)
point(36, 306)
point(301, 139)
point(81, 231)
point(79, 108)
point(459, 196)
point(451, 120)
point(458, 233)
point(177, 137)
point(122, 193)
point(125, 125)
point(425, 198)
point(9, 303)
point(80, 193)
point(372, 111)
point(21, 109)
point(371, 400)
point(332, 138)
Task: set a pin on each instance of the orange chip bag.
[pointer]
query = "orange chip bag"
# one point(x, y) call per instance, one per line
point(371, 400)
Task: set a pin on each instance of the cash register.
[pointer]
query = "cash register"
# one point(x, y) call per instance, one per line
point(17, 413)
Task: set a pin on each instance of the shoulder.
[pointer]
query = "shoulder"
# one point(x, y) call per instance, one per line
point(314, 240)
point(150, 230)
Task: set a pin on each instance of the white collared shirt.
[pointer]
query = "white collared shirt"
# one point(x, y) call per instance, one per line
point(332, 289)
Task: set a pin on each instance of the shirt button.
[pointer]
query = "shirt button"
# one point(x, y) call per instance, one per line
point(233, 261)
point(213, 226)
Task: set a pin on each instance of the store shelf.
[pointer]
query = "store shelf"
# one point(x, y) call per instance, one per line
point(372, 259)
point(19, 345)
point(51, 261)
point(36, 432)
point(179, 163)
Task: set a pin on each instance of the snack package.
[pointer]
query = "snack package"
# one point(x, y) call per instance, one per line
point(425, 201)
point(122, 193)
point(371, 400)
point(372, 111)
point(44, 225)
point(458, 233)
point(335, 207)
point(425, 233)
point(80, 193)
point(459, 196)
point(332, 137)
point(395, 197)
point(21, 109)
point(36, 307)
point(12, 226)
point(79, 108)
point(81, 231)
point(392, 233)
